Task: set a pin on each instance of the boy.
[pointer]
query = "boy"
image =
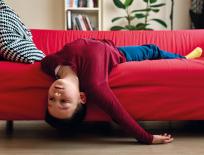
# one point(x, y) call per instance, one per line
point(82, 69)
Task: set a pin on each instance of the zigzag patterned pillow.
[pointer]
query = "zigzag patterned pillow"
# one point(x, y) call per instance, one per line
point(16, 42)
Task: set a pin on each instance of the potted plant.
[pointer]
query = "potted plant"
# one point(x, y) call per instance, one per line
point(143, 14)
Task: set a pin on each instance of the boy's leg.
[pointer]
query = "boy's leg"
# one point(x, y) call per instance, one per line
point(146, 52)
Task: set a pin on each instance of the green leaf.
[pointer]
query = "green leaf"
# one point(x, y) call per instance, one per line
point(146, 1)
point(141, 10)
point(119, 4)
point(140, 15)
point(160, 22)
point(117, 28)
point(117, 18)
point(155, 10)
point(157, 5)
point(128, 3)
point(130, 27)
point(149, 29)
point(141, 26)
point(152, 1)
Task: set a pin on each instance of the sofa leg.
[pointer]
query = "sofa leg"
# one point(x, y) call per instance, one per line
point(9, 127)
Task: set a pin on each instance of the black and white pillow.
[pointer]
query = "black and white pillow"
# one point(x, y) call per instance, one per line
point(16, 42)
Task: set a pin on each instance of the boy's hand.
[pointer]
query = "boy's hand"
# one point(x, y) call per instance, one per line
point(162, 139)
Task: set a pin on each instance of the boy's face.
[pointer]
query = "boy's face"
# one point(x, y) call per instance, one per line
point(63, 98)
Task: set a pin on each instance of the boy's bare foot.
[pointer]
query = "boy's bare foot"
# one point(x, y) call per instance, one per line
point(162, 139)
point(196, 53)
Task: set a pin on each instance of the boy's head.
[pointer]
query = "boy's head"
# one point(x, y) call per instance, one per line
point(65, 103)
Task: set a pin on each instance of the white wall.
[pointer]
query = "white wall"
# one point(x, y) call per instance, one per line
point(49, 14)
point(42, 14)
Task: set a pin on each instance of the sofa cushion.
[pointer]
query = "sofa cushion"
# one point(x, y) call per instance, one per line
point(149, 90)
point(170, 89)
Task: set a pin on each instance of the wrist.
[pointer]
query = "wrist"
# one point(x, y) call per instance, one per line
point(63, 71)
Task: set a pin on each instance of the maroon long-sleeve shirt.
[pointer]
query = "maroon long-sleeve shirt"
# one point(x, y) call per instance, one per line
point(92, 60)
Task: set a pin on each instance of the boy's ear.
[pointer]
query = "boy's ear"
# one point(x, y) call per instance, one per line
point(83, 97)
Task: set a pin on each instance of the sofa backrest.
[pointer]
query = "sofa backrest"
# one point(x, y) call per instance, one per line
point(178, 41)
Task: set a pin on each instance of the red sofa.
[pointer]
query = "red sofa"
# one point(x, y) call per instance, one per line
point(149, 90)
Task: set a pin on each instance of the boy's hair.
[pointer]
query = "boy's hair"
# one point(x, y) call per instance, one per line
point(69, 123)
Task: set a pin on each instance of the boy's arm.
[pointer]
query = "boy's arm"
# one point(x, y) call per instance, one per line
point(50, 63)
point(62, 71)
point(107, 101)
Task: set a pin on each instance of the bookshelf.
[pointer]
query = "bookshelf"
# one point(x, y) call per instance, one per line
point(83, 15)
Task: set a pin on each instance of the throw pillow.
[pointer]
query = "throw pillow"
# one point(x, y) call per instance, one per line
point(16, 42)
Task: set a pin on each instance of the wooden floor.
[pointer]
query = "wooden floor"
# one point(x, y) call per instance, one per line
point(37, 138)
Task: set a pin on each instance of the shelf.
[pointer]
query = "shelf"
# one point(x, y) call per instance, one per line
point(83, 18)
point(82, 9)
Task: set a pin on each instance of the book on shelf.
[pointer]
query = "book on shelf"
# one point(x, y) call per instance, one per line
point(81, 3)
point(71, 3)
point(78, 21)
point(83, 23)
point(87, 23)
point(69, 20)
